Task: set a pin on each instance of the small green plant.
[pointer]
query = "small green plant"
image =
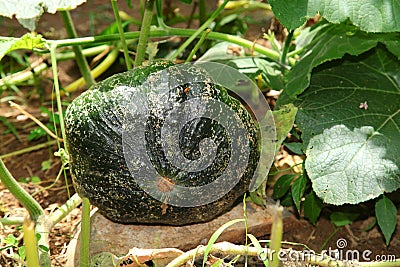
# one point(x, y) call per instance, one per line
point(54, 122)
point(32, 179)
point(12, 243)
point(11, 128)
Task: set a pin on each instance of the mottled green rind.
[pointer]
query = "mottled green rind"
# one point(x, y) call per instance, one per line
point(100, 172)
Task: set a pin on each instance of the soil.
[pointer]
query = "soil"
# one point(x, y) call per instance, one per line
point(92, 18)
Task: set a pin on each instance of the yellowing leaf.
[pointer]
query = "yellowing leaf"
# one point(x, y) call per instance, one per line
point(28, 41)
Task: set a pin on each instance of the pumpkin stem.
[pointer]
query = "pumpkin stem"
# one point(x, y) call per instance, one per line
point(144, 33)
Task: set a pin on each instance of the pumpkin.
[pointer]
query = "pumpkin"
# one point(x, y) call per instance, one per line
point(139, 140)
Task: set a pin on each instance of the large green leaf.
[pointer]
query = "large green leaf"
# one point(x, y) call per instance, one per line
point(326, 42)
point(28, 12)
point(312, 207)
point(284, 118)
point(350, 122)
point(298, 189)
point(368, 15)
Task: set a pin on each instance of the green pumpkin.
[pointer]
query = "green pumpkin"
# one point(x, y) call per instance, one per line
point(118, 154)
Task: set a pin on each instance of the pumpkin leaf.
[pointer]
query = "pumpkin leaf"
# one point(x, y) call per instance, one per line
point(312, 207)
point(326, 42)
point(284, 118)
point(233, 55)
point(28, 12)
point(298, 189)
point(295, 147)
point(386, 215)
point(282, 185)
point(369, 16)
point(340, 218)
point(351, 166)
point(349, 118)
point(220, 51)
point(28, 41)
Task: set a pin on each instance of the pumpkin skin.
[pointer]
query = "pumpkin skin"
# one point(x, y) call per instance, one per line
point(100, 171)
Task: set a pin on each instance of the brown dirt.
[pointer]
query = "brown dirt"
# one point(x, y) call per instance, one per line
point(29, 164)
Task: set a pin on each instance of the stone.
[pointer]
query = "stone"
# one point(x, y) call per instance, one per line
point(119, 239)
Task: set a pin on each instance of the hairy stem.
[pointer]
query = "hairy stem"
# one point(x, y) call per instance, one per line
point(144, 32)
point(29, 203)
point(286, 47)
point(65, 209)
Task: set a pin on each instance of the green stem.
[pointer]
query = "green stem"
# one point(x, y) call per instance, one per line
point(166, 33)
point(329, 238)
point(23, 75)
point(144, 33)
point(236, 7)
point(53, 49)
point(29, 203)
point(160, 19)
point(296, 52)
point(197, 46)
point(65, 209)
point(80, 59)
point(85, 233)
point(12, 220)
point(286, 47)
point(246, 223)
point(28, 149)
point(202, 28)
point(121, 35)
point(87, 52)
point(26, 74)
point(202, 11)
